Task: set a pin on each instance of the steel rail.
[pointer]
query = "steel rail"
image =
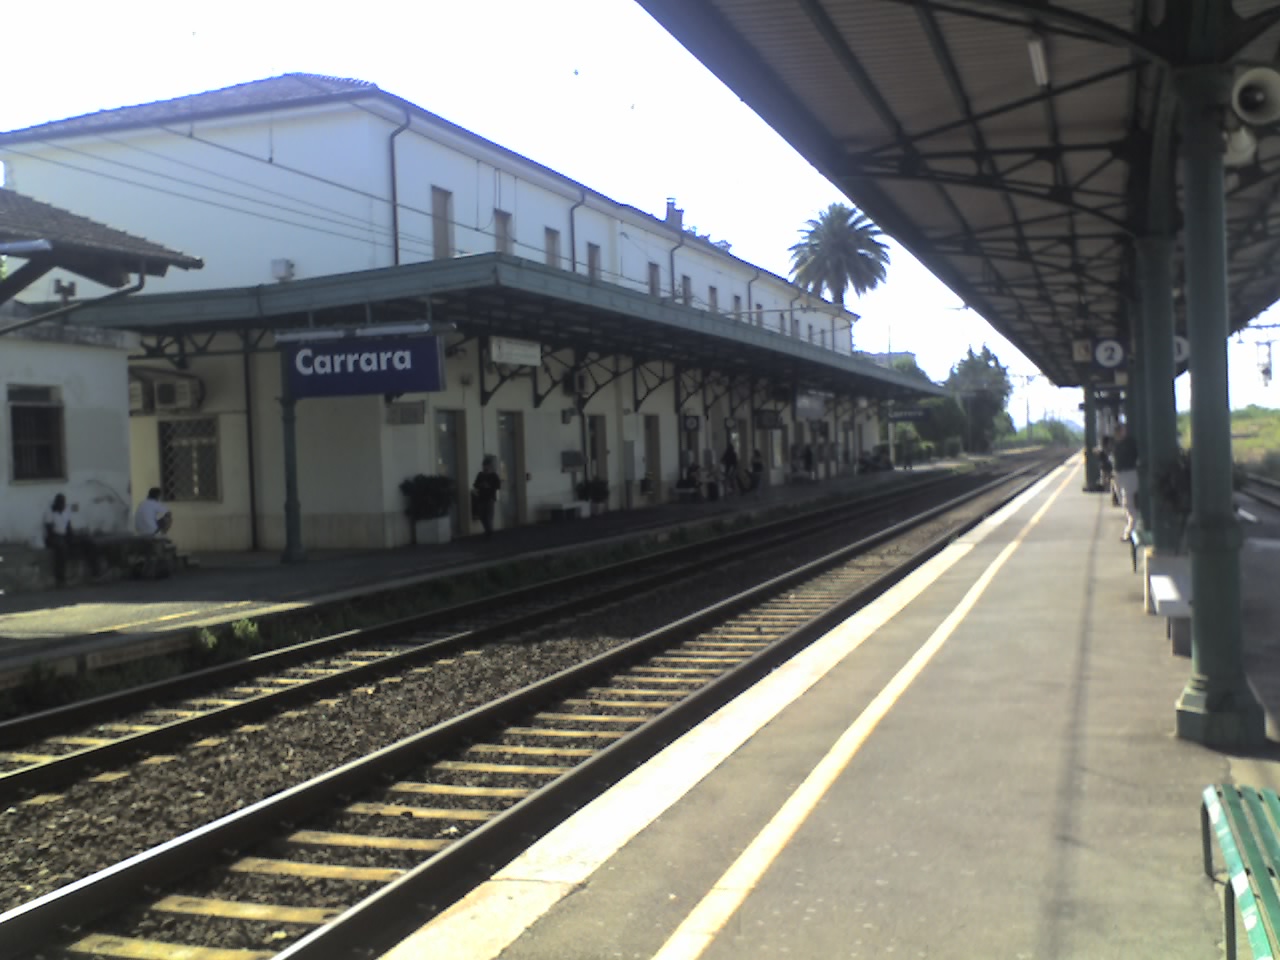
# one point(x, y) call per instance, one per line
point(1267, 484)
point(58, 771)
point(386, 914)
point(54, 720)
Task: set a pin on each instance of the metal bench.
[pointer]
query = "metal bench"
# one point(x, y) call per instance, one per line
point(1171, 598)
point(1244, 822)
point(1138, 540)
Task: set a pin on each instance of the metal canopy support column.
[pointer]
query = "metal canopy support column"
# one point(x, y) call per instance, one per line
point(293, 552)
point(1217, 707)
point(1158, 444)
point(1136, 413)
point(1091, 479)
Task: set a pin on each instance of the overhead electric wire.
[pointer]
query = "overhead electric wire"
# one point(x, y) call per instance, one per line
point(348, 220)
point(211, 203)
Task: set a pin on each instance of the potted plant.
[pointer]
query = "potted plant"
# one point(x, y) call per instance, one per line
point(427, 502)
point(596, 492)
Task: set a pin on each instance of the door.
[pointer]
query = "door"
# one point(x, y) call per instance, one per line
point(597, 448)
point(653, 457)
point(450, 463)
point(510, 468)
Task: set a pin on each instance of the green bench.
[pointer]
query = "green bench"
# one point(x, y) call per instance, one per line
point(1245, 822)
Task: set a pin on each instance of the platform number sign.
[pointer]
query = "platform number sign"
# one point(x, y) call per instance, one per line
point(1108, 353)
point(1181, 349)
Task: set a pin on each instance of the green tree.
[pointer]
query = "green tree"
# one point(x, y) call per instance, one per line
point(943, 419)
point(840, 249)
point(981, 385)
point(912, 369)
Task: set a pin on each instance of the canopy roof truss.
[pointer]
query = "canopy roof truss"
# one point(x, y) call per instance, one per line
point(1021, 185)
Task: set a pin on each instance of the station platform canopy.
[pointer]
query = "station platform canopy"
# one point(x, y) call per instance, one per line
point(495, 294)
point(1008, 144)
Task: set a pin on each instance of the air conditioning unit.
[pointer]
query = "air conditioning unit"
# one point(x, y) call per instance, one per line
point(176, 395)
point(138, 397)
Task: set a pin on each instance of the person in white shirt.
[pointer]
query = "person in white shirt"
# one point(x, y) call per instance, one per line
point(57, 525)
point(153, 518)
point(61, 538)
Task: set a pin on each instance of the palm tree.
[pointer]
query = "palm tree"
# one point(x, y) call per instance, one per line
point(840, 249)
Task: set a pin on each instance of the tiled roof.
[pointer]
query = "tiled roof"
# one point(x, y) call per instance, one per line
point(78, 240)
point(291, 89)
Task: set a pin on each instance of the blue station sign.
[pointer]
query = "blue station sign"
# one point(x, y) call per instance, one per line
point(356, 366)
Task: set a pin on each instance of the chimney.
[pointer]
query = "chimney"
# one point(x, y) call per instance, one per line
point(675, 216)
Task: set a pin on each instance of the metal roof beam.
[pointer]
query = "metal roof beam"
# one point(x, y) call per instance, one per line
point(1003, 186)
point(942, 53)
point(1012, 105)
point(1055, 19)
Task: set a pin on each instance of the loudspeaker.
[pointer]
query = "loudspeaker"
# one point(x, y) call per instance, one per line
point(1256, 96)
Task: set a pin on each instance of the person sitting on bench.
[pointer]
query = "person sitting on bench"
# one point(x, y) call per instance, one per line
point(692, 480)
point(153, 518)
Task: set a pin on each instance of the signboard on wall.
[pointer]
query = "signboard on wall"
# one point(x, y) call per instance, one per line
point(358, 366)
point(907, 414)
point(516, 353)
point(811, 406)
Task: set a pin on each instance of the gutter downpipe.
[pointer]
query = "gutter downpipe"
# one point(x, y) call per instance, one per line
point(675, 294)
point(573, 232)
point(395, 193)
point(248, 430)
point(751, 308)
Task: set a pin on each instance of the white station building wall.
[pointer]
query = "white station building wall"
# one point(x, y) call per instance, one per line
point(306, 192)
point(86, 379)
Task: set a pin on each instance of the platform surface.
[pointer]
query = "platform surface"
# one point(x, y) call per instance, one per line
point(231, 586)
point(980, 765)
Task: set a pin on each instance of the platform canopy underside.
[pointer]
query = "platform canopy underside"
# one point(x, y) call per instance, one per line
point(1020, 185)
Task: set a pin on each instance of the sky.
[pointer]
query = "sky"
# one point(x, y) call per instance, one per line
point(592, 88)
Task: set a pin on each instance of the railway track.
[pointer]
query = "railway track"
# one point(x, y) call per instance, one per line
point(50, 750)
point(335, 867)
point(1264, 490)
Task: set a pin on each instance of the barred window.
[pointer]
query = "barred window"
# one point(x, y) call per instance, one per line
point(189, 459)
point(36, 432)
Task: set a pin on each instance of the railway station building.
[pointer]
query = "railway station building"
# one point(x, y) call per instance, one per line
point(386, 294)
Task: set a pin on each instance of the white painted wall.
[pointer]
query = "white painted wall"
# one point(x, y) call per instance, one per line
point(313, 186)
point(93, 381)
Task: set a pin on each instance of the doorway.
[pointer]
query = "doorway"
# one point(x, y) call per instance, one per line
point(597, 448)
point(511, 468)
point(653, 457)
point(450, 459)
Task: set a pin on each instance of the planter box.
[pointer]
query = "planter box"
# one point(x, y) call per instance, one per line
point(435, 530)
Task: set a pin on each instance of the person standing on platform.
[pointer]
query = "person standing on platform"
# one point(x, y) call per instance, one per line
point(487, 484)
point(808, 462)
point(757, 470)
point(57, 535)
point(61, 538)
point(1125, 465)
point(729, 465)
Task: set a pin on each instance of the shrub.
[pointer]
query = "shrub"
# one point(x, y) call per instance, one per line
point(426, 498)
point(596, 490)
